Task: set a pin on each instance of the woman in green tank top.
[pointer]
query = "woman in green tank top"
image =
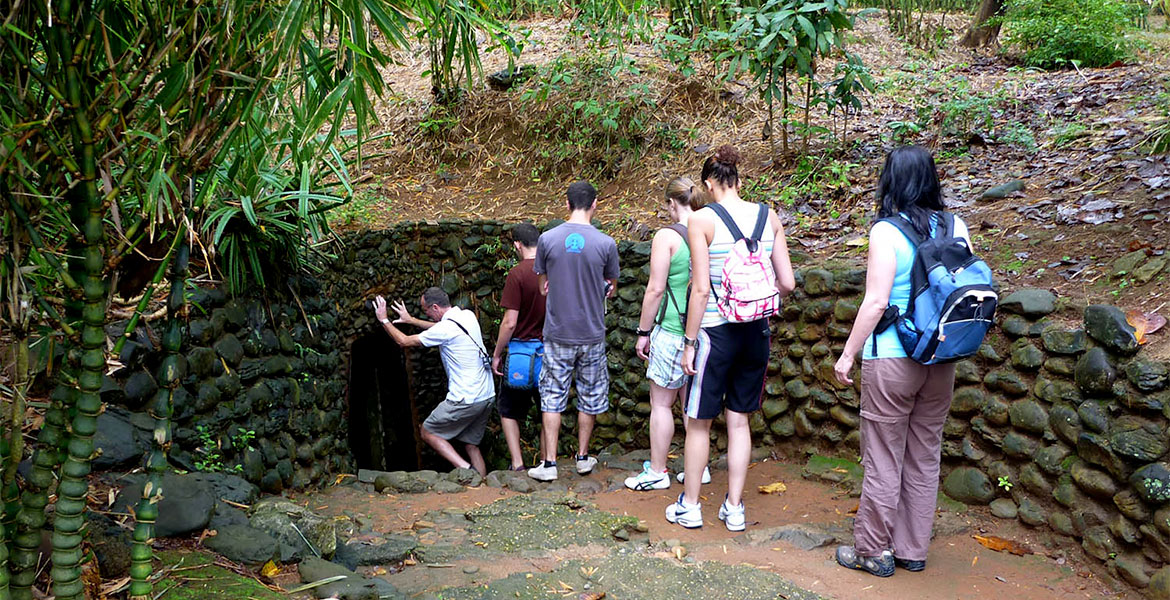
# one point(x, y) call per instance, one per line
point(660, 329)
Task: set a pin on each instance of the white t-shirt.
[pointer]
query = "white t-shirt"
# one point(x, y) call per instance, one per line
point(468, 381)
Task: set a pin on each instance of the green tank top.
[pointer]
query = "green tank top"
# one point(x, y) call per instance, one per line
point(675, 298)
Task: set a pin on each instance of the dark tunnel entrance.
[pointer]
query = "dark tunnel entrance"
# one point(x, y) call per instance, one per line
point(383, 426)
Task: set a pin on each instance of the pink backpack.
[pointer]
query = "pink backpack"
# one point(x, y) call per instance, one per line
point(749, 283)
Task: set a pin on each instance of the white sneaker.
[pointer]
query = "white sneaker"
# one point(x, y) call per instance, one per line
point(585, 465)
point(732, 516)
point(687, 515)
point(648, 479)
point(543, 473)
point(705, 479)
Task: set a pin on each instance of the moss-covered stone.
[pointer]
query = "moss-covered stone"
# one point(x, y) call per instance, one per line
point(1006, 381)
point(968, 485)
point(845, 309)
point(1015, 326)
point(1108, 325)
point(1018, 445)
point(1060, 365)
point(1138, 439)
point(1028, 415)
point(1095, 483)
point(1034, 481)
point(818, 282)
point(1147, 375)
point(988, 353)
point(1026, 356)
point(968, 400)
point(1093, 416)
point(1152, 483)
point(996, 411)
point(1065, 422)
point(967, 372)
point(1094, 373)
point(1060, 340)
point(1031, 513)
point(1050, 458)
point(1030, 302)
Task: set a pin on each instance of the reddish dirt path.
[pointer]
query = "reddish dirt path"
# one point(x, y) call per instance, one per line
point(958, 566)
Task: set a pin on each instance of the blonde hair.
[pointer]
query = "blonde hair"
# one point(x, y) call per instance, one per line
point(684, 191)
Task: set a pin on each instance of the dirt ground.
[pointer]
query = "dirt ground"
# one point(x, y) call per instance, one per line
point(958, 566)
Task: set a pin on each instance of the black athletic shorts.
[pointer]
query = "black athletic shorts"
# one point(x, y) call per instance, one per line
point(515, 404)
point(730, 363)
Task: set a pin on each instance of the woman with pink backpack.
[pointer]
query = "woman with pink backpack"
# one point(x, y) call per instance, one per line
point(739, 271)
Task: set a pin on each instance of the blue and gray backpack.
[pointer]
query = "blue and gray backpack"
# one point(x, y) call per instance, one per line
point(952, 303)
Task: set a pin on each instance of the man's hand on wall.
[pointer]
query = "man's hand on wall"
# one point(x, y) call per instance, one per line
point(380, 308)
point(403, 314)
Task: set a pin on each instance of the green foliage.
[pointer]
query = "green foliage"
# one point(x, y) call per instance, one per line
point(780, 38)
point(209, 453)
point(1005, 483)
point(585, 117)
point(449, 28)
point(691, 17)
point(1016, 134)
point(960, 110)
point(358, 209)
point(813, 179)
point(1064, 135)
point(1061, 33)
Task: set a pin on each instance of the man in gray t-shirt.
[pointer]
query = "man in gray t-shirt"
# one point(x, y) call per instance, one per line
point(578, 269)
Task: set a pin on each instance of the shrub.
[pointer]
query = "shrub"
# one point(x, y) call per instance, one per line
point(1057, 33)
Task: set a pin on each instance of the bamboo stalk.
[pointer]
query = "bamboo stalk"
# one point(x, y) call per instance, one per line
point(146, 514)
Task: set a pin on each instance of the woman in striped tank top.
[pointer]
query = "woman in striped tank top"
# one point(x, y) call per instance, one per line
point(727, 359)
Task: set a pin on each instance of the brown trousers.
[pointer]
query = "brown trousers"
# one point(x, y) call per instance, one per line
point(903, 408)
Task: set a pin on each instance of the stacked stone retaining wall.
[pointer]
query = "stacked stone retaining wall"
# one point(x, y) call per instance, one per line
point(1060, 420)
point(260, 368)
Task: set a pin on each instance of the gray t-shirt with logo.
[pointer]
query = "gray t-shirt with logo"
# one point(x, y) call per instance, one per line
point(577, 259)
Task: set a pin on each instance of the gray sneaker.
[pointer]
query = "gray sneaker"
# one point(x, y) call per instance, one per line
point(882, 566)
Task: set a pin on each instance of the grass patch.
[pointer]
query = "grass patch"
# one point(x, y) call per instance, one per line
point(207, 581)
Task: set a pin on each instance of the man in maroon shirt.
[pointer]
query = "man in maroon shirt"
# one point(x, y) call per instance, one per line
point(523, 320)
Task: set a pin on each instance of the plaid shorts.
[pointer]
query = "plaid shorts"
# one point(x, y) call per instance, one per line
point(665, 367)
point(588, 363)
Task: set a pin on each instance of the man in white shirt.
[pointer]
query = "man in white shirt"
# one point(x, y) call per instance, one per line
point(463, 415)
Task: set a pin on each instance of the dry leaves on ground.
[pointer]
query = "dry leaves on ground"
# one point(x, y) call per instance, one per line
point(1003, 545)
point(774, 488)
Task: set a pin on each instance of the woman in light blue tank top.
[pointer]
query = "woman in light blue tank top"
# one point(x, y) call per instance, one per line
point(904, 404)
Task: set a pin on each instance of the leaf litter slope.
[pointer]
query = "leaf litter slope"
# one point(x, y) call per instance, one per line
point(1074, 138)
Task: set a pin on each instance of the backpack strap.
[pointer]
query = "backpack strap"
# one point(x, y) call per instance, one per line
point(761, 221)
point(736, 234)
point(680, 229)
point(905, 227)
point(946, 225)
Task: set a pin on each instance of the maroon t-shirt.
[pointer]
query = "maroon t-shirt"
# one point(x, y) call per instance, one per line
point(522, 293)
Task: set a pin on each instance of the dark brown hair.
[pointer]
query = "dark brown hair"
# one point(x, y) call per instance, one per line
point(721, 166)
point(682, 190)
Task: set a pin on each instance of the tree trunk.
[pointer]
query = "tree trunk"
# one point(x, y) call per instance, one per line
point(981, 34)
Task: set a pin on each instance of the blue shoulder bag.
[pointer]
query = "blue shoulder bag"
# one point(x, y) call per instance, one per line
point(522, 367)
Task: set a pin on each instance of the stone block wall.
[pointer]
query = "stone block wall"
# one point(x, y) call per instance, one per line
point(269, 367)
point(1060, 421)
